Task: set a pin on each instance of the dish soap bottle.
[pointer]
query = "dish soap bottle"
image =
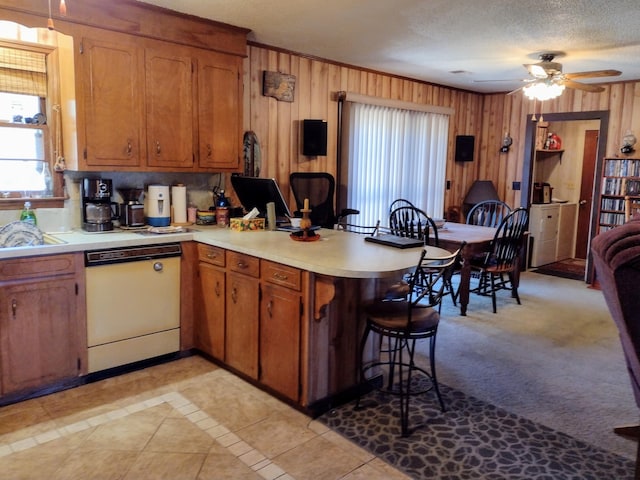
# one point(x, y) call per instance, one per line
point(27, 214)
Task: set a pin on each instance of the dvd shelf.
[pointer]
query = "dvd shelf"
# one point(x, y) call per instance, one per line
point(620, 181)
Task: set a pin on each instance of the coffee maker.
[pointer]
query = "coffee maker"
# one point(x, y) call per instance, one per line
point(131, 211)
point(98, 211)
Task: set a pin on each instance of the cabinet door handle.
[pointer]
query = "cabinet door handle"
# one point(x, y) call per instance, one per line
point(234, 295)
point(209, 150)
point(217, 289)
point(158, 147)
point(270, 308)
point(14, 307)
point(129, 148)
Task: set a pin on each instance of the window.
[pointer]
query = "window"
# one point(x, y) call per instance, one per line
point(395, 153)
point(23, 152)
point(25, 146)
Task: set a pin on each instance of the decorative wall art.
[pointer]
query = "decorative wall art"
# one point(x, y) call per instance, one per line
point(279, 86)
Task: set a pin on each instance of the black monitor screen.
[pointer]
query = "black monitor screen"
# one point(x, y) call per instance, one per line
point(257, 192)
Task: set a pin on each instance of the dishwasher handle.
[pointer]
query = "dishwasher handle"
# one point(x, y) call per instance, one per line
point(158, 266)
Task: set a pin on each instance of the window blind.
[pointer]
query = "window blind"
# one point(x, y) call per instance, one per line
point(23, 72)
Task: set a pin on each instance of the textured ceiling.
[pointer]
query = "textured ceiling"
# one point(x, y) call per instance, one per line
point(459, 43)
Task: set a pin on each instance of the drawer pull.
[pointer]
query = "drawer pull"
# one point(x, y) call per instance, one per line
point(212, 255)
point(242, 265)
point(280, 276)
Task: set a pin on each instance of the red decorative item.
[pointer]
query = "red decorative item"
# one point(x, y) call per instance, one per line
point(555, 143)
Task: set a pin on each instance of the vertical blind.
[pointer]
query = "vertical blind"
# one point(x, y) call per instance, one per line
point(395, 153)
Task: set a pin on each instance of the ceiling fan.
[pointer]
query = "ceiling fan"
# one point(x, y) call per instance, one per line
point(549, 73)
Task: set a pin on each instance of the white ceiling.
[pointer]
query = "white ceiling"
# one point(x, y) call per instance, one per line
point(467, 44)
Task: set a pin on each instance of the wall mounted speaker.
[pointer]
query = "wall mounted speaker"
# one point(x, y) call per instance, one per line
point(464, 148)
point(314, 137)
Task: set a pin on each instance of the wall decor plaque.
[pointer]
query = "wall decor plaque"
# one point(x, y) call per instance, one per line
point(279, 86)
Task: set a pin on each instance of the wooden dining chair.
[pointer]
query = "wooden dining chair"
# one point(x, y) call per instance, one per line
point(488, 213)
point(412, 222)
point(400, 322)
point(497, 267)
point(400, 202)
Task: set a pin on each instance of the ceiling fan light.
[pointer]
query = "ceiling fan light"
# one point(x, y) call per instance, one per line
point(543, 91)
point(537, 71)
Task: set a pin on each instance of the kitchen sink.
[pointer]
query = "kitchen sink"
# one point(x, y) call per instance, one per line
point(49, 239)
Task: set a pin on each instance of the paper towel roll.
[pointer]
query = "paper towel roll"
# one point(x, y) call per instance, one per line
point(179, 203)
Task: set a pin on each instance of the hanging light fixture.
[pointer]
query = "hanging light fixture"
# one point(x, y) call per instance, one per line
point(63, 12)
point(543, 90)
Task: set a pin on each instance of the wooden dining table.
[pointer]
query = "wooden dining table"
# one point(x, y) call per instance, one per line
point(477, 240)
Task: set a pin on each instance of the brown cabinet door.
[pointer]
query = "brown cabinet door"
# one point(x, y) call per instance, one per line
point(38, 334)
point(169, 108)
point(210, 328)
point(242, 300)
point(219, 111)
point(111, 76)
point(280, 340)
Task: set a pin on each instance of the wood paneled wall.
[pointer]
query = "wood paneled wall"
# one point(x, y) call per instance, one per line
point(487, 117)
point(277, 124)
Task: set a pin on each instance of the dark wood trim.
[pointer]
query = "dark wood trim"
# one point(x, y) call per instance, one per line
point(529, 155)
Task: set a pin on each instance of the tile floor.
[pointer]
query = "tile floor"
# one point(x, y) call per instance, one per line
point(183, 420)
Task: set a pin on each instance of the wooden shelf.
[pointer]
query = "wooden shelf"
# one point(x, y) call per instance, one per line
point(542, 150)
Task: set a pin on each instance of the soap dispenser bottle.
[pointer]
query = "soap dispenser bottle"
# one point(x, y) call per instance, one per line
point(27, 214)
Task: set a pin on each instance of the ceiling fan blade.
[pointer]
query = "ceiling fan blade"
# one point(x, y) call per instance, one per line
point(593, 74)
point(583, 86)
point(516, 90)
point(502, 80)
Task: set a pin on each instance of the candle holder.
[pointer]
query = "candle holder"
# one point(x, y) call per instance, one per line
point(305, 222)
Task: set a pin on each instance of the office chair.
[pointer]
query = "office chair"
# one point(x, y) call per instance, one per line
point(399, 322)
point(319, 188)
point(488, 213)
point(502, 259)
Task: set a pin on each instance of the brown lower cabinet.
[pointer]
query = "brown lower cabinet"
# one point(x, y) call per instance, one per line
point(42, 326)
point(250, 317)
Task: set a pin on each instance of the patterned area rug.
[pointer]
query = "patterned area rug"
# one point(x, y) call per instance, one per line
point(471, 440)
point(572, 268)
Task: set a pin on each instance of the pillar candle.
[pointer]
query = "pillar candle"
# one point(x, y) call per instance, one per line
point(306, 204)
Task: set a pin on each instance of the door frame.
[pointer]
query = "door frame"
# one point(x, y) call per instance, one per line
point(529, 155)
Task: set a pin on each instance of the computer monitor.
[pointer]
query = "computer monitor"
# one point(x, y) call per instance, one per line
point(257, 192)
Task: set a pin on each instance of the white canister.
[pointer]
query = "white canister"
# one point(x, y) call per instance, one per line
point(158, 206)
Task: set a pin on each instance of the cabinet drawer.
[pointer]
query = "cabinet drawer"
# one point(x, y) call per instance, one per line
point(242, 263)
point(22, 268)
point(211, 254)
point(281, 275)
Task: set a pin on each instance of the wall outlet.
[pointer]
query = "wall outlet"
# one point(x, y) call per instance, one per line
point(515, 186)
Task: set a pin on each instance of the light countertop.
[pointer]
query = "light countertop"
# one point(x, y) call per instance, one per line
point(336, 253)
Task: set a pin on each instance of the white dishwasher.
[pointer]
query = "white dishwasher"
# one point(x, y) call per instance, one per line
point(133, 304)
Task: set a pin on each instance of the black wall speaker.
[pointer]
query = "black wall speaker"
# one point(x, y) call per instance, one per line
point(464, 148)
point(314, 137)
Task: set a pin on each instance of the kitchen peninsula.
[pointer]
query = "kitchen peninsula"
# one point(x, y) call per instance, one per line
point(287, 316)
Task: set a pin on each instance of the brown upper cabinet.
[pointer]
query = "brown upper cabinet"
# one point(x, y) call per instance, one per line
point(145, 88)
point(147, 105)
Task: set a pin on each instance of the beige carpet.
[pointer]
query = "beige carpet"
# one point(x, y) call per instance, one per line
point(555, 359)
